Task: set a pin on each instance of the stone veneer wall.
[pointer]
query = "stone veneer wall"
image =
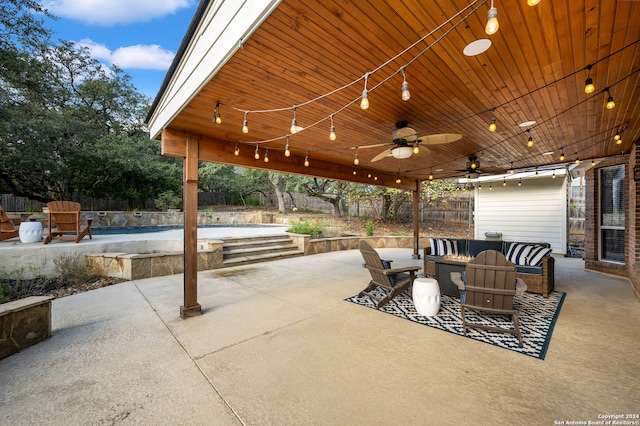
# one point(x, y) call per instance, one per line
point(23, 323)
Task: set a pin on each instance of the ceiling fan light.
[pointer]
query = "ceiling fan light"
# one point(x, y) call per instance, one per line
point(402, 152)
point(416, 148)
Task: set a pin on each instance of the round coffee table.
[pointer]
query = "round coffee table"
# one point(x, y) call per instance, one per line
point(426, 296)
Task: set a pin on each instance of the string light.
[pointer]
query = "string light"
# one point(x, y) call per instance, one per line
point(375, 178)
point(490, 187)
point(332, 130)
point(287, 151)
point(492, 123)
point(593, 162)
point(530, 140)
point(617, 136)
point(236, 152)
point(306, 159)
point(511, 170)
point(479, 186)
point(561, 154)
point(610, 103)
point(520, 182)
point(216, 114)
point(554, 175)
point(537, 175)
point(364, 102)
point(257, 154)
point(266, 155)
point(356, 160)
point(245, 124)
point(369, 175)
point(577, 159)
point(355, 172)
point(504, 182)
point(398, 180)
point(588, 83)
point(406, 95)
point(492, 21)
point(294, 123)
point(431, 175)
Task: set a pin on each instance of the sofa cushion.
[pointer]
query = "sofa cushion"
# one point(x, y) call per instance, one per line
point(536, 255)
point(478, 246)
point(518, 253)
point(443, 247)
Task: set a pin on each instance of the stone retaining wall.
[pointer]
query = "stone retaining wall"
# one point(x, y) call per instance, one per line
point(23, 323)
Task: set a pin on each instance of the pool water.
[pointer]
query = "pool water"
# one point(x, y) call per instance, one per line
point(150, 229)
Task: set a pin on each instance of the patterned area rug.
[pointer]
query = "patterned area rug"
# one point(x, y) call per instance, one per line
point(537, 317)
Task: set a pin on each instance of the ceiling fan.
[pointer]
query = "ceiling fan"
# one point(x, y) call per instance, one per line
point(407, 142)
point(473, 170)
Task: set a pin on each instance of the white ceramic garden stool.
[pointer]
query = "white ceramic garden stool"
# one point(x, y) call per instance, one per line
point(426, 296)
point(30, 232)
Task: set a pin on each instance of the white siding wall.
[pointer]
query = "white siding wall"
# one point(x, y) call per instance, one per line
point(533, 212)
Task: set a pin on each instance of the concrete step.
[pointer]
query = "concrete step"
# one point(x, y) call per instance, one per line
point(245, 250)
point(244, 260)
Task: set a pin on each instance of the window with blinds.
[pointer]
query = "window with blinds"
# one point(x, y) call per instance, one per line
point(612, 213)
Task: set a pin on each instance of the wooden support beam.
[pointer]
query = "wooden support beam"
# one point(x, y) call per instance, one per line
point(191, 306)
point(222, 151)
point(416, 221)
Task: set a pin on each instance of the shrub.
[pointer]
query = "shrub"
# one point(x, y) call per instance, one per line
point(305, 227)
point(370, 228)
point(251, 202)
point(72, 268)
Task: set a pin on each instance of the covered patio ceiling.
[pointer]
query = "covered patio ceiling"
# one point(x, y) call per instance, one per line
point(309, 59)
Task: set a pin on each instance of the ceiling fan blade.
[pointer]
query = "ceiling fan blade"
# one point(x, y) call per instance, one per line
point(424, 150)
point(380, 156)
point(440, 138)
point(375, 145)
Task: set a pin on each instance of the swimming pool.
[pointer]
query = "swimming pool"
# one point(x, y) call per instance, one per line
point(152, 229)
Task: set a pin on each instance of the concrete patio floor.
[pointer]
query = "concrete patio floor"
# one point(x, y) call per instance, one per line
point(277, 345)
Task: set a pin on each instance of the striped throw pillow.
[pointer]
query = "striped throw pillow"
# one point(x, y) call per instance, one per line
point(518, 253)
point(443, 247)
point(536, 255)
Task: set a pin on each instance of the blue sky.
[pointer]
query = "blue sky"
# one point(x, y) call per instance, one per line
point(140, 36)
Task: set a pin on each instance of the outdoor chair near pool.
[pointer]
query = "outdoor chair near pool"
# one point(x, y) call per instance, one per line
point(65, 222)
point(393, 280)
point(489, 286)
point(7, 228)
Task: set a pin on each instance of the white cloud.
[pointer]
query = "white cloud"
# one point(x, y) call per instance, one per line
point(110, 12)
point(148, 57)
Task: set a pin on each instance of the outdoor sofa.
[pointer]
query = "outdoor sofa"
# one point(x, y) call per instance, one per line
point(534, 263)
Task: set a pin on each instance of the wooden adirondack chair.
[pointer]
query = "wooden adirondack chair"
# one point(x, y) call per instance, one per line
point(7, 229)
point(68, 224)
point(394, 280)
point(490, 288)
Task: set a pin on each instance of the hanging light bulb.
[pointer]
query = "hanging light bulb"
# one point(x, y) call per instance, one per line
point(511, 170)
point(266, 155)
point(257, 154)
point(369, 175)
point(617, 136)
point(532, 2)
point(356, 160)
point(416, 148)
point(577, 159)
point(588, 83)
point(593, 162)
point(492, 125)
point(375, 178)
point(504, 182)
point(287, 151)
point(430, 175)
point(537, 175)
point(480, 186)
point(216, 114)
point(406, 95)
point(490, 187)
point(332, 130)
point(398, 180)
point(554, 174)
point(364, 102)
point(520, 182)
point(530, 140)
point(354, 172)
point(619, 141)
point(236, 152)
point(294, 123)
point(245, 124)
point(610, 103)
point(492, 21)
point(306, 159)
point(561, 154)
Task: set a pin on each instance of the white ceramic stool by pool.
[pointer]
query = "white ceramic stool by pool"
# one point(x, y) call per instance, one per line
point(30, 232)
point(426, 296)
